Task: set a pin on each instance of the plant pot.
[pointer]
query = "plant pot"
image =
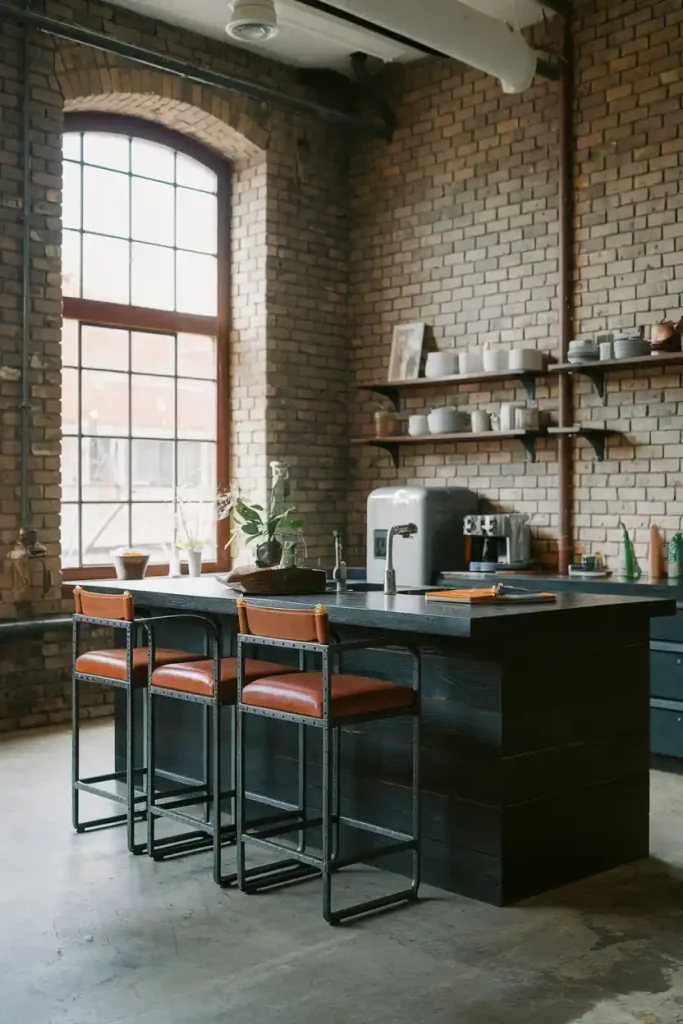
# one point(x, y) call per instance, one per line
point(268, 554)
point(194, 562)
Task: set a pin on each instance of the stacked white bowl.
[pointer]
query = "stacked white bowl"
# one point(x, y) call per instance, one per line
point(629, 345)
point(583, 350)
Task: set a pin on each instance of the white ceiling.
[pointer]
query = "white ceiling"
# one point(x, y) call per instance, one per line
point(312, 38)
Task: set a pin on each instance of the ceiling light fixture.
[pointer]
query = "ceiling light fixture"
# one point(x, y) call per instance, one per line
point(253, 21)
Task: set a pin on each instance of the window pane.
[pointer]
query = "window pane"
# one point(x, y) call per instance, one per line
point(69, 462)
point(196, 289)
point(153, 212)
point(197, 356)
point(71, 263)
point(69, 531)
point(197, 523)
point(197, 409)
point(69, 401)
point(153, 161)
point(71, 145)
point(106, 198)
point(69, 343)
point(105, 528)
point(107, 150)
point(104, 469)
point(153, 353)
point(104, 403)
point(191, 173)
point(71, 195)
point(153, 470)
point(197, 221)
point(106, 269)
point(197, 469)
point(152, 276)
point(104, 348)
point(153, 406)
point(153, 529)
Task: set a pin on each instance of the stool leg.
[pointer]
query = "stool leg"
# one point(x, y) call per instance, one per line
point(328, 780)
point(302, 785)
point(216, 794)
point(150, 786)
point(239, 797)
point(130, 769)
point(75, 752)
point(206, 735)
point(336, 783)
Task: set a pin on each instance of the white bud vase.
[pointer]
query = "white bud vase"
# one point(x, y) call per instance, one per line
point(194, 562)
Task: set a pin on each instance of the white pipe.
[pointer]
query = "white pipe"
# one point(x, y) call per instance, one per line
point(466, 34)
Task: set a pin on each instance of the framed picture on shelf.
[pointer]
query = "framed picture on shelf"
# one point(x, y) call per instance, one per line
point(406, 351)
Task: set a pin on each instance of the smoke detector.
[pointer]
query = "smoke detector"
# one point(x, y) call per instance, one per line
point(253, 21)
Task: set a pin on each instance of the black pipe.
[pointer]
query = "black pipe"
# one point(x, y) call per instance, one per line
point(33, 627)
point(26, 279)
point(183, 69)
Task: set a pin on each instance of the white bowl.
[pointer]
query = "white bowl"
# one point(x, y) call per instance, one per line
point(418, 425)
point(471, 362)
point(448, 420)
point(441, 364)
point(526, 359)
point(495, 359)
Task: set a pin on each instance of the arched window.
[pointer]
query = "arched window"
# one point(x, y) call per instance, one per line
point(144, 278)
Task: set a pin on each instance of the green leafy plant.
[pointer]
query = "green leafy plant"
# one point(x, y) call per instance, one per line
point(256, 523)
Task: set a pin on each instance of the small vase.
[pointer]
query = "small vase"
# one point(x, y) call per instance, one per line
point(174, 569)
point(194, 562)
point(268, 554)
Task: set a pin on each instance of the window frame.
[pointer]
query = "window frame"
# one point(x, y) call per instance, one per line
point(109, 314)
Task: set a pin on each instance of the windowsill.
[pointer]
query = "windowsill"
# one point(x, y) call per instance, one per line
point(107, 572)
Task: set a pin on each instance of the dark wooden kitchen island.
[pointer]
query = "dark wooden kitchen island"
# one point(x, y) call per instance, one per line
point(535, 752)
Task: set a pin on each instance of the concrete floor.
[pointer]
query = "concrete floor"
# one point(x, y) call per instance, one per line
point(91, 934)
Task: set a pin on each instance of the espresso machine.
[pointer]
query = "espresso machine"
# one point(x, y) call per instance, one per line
point(497, 541)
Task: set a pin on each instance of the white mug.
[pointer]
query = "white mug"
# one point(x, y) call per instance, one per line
point(481, 422)
point(508, 415)
point(418, 425)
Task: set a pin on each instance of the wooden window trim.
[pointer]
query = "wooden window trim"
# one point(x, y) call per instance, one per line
point(107, 572)
point(135, 317)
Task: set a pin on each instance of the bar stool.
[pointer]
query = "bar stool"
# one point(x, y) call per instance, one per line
point(328, 700)
point(126, 668)
point(211, 682)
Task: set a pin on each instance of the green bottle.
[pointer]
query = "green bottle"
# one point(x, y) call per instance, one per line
point(630, 561)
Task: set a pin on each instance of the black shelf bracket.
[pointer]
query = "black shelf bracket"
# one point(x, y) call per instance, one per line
point(388, 446)
point(597, 378)
point(387, 391)
point(529, 442)
point(598, 441)
point(529, 382)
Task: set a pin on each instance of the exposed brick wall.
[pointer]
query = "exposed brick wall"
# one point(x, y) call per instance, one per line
point(289, 238)
point(456, 223)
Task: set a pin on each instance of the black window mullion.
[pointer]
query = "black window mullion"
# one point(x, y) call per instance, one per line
point(130, 437)
point(79, 441)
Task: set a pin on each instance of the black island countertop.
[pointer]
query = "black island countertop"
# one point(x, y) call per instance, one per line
point(404, 611)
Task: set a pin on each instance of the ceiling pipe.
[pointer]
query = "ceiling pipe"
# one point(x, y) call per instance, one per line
point(457, 31)
point(182, 69)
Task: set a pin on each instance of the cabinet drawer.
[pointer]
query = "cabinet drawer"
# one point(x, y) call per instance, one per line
point(666, 732)
point(670, 627)
point(666, 674)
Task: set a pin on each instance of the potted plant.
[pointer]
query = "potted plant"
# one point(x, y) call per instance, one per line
point(269, 527)
point(189, 539)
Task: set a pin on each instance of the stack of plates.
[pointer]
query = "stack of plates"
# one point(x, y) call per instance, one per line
point(583, 351)
point(629, 345)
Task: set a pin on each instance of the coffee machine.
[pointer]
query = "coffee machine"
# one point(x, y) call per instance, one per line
point(497, 541)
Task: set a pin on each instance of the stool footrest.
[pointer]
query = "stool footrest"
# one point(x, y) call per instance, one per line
point(114, 819)
point(117, 798)
point(365, 855)
point(405, 896)
point(365, 826)
point(279, 873)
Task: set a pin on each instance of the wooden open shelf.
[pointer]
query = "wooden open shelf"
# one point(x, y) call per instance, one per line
point(597, 436)
point(598, 370)
point(394, 388)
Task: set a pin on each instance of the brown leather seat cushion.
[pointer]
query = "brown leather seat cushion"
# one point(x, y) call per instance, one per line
point(112, 664)
point(198, 676)
point(302, 694)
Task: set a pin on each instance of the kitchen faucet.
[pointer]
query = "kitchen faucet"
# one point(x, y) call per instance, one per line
point(339, 574)
point(406, 530)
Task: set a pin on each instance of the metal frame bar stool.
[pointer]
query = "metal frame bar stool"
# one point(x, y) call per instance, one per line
point(212, 683)
point(327, 700)
point(127, 669)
